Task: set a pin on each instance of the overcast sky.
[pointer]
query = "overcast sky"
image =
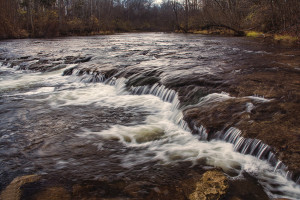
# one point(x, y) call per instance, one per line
point(157, 1)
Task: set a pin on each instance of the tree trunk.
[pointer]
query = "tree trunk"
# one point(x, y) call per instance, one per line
point(186, 16)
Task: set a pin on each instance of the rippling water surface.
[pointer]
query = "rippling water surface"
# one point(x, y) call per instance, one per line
point(72, 126)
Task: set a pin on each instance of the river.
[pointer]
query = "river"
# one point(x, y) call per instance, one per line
point(111, 108)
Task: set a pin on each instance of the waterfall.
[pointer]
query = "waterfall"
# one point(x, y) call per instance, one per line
point(255, 148)
point(201, 131)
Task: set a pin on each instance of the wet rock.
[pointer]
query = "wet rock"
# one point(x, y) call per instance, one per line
point(24, 57)
point(135, 71)
point(215, 115)
point(191, 94)
point(53, 193)
point(135, 189)
point(84, 59)
point(235, 198)
point(69, 59)
point(105, 189)
point(246, 188)
point(69, 71)
point(275, 124)
point(86, 191)
point(103, 73)
point(212, 186)
point(274, 120)
point(142, 80)
point(58, 67)
point(14, 190)
point(194, 79)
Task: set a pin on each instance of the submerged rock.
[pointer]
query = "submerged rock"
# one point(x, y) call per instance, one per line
point(146, 135)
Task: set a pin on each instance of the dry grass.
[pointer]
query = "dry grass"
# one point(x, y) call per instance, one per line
point(102, 33)
point(276, 37)
point(205, 32)
point(285, 38)
point(254, 34)
point(213, 32)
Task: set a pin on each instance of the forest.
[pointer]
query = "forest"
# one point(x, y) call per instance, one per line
point(51, 18)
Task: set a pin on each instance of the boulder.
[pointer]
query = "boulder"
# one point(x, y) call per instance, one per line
point(212, 186)
point(13, 191)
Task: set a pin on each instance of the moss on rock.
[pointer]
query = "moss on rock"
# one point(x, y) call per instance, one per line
point(212, 186)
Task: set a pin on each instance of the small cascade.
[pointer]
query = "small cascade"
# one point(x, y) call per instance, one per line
point(255, 148)
point(201, 131)
point(88, 76)
point(243, 145)
point(177, 118)
point(160, 91)
point(111, 81)
point(167, 95)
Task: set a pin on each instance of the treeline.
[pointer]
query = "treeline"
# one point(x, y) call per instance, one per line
point(49, 18)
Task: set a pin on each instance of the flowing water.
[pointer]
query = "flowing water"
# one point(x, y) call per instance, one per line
point(91, 126)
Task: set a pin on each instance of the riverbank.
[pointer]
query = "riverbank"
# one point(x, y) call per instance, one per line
point(285, 39)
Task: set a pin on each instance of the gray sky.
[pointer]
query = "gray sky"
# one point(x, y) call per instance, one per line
point(157, 1)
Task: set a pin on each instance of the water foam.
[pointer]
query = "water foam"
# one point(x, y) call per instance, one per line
point(16, 80)
point(259, 98)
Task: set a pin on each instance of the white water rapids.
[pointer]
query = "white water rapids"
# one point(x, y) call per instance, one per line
point(158, 137)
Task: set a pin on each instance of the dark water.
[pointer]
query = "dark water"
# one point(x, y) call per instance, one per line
point(79, 128)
